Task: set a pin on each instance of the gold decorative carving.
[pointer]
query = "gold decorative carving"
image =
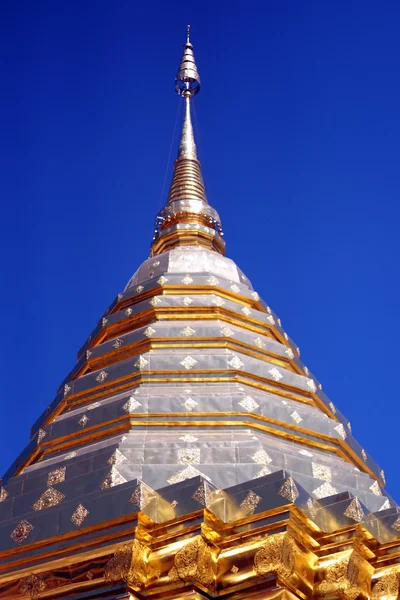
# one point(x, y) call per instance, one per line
point(250, 503)
point(142, 495)
point(354, 511)
point(173, 575)
point(21, 532)
point(79, 515)
point(203, 494)
point(129, 564)
point(387, 587)
point(117, 568)
point(51, 497)
point(193, 561)
point(335, 580)
point(277, 555)
point(289, 490)
point(32, 586)
point(56, 476)
point(186, 561)
point(138, 572)
point(348, 577)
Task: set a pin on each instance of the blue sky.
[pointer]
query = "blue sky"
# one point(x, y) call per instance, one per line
point(298, 133)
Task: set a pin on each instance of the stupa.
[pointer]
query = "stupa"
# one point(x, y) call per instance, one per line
point(190, 453)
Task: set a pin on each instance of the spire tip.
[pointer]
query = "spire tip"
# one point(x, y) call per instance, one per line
point(187, 81)
point(187, 200)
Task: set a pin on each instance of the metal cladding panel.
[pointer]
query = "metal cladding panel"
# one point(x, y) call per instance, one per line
point(191, 260)
point(213, 388)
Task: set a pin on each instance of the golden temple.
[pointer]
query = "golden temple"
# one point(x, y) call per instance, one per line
point(190, 453)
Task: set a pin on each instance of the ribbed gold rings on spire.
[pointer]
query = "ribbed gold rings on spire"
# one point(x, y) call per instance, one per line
point(187, 218)
point(187, 183)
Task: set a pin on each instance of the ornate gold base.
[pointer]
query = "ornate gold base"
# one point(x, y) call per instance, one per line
point(280, 553)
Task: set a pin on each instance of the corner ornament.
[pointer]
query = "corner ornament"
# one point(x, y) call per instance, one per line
point(193, 561)
point(128, 564)
point(387, 587)
point(348, 577)
point(278, 555)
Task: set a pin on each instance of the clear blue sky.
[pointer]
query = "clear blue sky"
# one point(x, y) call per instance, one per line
point(299, 138)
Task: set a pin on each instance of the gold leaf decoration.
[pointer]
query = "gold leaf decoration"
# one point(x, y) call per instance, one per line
point(21, 532)
point(128, 564)
point(335, 579)
point(51, 497)
point(186, 561)
point(348, 577)
point(138, 571)
point(173, 575)
point(288, 556)
point(289, 490)
point(354, 511)
point(193, 561)
point(387, 587)
point(277, 555)
point(56, 476)
point(250, 503)
point(117, 568)
point(205, 565)
point(32, 586)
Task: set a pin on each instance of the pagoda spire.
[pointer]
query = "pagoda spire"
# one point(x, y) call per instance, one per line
point(187, 218)
point(187, 145)
point(187, 85)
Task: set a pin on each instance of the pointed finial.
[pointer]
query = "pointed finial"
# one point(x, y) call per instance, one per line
point(187, 219)
point(187, 81)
